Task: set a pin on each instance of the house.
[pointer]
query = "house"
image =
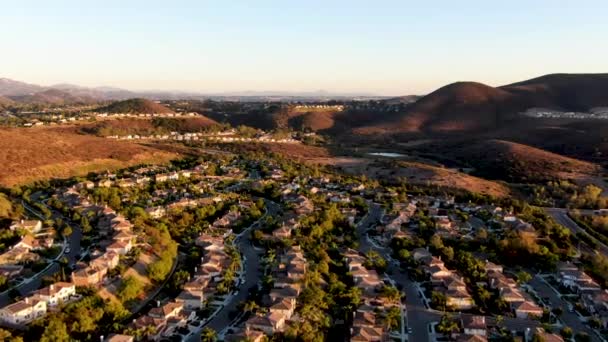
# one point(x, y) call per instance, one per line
point(527, 309)
point(169, 310)
point(547, 337)
point(282, 232)
point(56, 293)
point(120, 247)
point(191, 299)
point(119, 338)
point(421, 253)
point(367, 334)
point(471, 338)
point(474, 325)
point(32, 226)
point(156, 212)
point(459, 299)
point(511, 295)
point(246, 335)
point(285, 307)
point(492, 267)
point(88, 276)
point(24, 311)
point(269, 324)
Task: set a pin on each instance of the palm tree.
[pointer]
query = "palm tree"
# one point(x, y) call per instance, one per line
point(392, 318)
point(208, 335)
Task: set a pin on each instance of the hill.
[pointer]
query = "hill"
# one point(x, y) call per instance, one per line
point(42, 153)
point(136, 106)
point(509, 161)
point(54, 97)
point(10, 87)
point(466, 107)
point(5, 102)
point(148, 126)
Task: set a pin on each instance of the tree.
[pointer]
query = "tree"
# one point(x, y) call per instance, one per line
point(582, 337)
point(538, 338)
point(390, 293)
point(392, 318)
point(56, 331)
point(523, 277)
point(447, 325)
point(130, 289)
point(208, 335)
point(566, 332)
point(67, 231)
point(438, 300)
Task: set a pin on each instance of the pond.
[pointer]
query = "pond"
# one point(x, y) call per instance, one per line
point(386, 154)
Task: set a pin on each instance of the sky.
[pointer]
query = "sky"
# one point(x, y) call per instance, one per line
point(381, 47)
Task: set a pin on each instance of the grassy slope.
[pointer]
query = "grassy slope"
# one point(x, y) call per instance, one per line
point(37, 153)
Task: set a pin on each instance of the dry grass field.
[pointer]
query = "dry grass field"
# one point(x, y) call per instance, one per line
point(31, 154)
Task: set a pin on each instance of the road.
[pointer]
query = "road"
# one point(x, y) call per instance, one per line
point(561, 216)
point(570, 319)
point(251, 257)
point(417, 317)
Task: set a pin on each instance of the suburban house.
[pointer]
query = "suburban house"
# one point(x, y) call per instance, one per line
point(24, 311)
point(527, 309)
point(32, 226)
point(56, 293)
point(474, 325)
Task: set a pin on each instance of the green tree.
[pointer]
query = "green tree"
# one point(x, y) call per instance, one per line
point(208, 335)
point(55, 331)
point(523, 277)
point(447, 325)
point(392, 318)
point(566, 332)
point(130, 289)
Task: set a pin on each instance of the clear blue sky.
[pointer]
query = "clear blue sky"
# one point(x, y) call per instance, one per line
point(384, 47)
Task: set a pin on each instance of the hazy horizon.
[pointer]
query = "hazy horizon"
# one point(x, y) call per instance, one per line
point(386, 48)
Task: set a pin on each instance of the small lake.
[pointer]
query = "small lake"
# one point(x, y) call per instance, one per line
point(386, 154)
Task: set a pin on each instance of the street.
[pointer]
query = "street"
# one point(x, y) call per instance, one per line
point(570, 319)
point(251, 269)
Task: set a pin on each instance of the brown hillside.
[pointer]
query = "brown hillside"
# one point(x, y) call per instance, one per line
point(5, 102)
point(136, 106)
point(31, 154)
point(514, 162)
point(147, 126)
point(466, 107)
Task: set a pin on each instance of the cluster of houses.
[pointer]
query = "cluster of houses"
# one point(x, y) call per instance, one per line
point(367, 325)
point(225, 137)
point(444, 280)
point(164, 319)
point(282, 300)
point(593, 297)
point(319, 107)
point(55, 119)
point(114, 226)
point(38, 304)
point(391, 224)
point(34, 239)
point(508, 290)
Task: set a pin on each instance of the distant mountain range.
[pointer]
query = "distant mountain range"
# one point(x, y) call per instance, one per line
point(64, 93)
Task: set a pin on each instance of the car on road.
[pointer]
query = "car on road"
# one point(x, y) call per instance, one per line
point(68, 250)
point(409, 330)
